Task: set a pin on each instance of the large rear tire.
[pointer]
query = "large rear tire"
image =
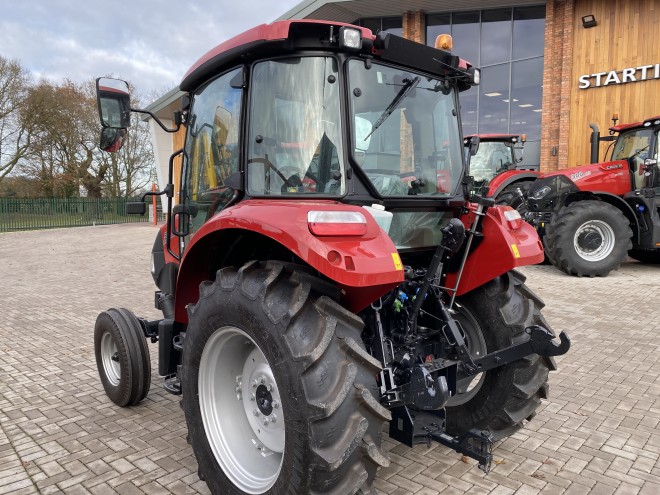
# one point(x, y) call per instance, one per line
point(278, 390)
point(122, 356)
point(494, 316)
point(588, 238)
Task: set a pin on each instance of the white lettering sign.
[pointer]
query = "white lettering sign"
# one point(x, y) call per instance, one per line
point(627, 75)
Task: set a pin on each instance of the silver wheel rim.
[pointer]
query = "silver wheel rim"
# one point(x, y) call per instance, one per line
point(110, 359)
point(241, 410)
point(595, 229)
point(468, 387)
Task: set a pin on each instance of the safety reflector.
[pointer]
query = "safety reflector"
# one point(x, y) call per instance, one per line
point(513, 218)
point(336, 223)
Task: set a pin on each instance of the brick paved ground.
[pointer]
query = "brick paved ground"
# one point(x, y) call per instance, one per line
point(597, 434)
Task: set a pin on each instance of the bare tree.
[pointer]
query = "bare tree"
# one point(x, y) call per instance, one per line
point(63, 149)
point(14, 132)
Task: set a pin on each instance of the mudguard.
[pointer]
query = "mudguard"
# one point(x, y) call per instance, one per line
point(499, 182)
point(502, 249)
point(364, 267)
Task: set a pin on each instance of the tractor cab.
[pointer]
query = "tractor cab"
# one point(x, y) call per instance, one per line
point(638, 145)
point(496, 154)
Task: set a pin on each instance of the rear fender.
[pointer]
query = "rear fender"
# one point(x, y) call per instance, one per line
point(501, 250)
point(363, 267)
point(507, 178)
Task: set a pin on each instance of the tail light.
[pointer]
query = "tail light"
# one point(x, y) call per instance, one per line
point(336, 223)
point(513, 218)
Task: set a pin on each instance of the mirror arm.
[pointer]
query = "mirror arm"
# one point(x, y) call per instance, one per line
point(177, 119)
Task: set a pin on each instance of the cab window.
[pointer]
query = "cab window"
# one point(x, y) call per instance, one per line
point(212, 148)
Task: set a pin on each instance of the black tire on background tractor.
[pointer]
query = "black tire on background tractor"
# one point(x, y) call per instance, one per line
point(510, 196)
point(645, 256)
point(494, 316)
point(278, 390)
point(122, 356)
point(588, 238)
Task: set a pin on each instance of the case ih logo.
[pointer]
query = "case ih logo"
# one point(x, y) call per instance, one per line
point(627, 75)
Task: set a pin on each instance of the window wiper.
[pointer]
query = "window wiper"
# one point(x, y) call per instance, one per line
point(405, 90)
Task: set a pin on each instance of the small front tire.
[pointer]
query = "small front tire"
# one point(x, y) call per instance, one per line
point(122, 356)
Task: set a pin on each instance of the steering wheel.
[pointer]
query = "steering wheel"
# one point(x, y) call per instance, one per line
point(269, 164)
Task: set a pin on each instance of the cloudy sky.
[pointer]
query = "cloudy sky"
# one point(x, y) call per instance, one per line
point(148, 42)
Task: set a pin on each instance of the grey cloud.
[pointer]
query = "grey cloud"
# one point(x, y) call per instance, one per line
point(149, 42)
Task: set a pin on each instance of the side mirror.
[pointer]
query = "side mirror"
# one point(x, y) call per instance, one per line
point(112, 139)
point(114, 102)
point(136, 208)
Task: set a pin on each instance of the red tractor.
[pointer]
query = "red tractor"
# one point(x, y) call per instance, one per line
point(310, 292)
point(591, 217)
point(495, 170)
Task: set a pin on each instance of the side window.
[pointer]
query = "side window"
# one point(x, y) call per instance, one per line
point(212, 147)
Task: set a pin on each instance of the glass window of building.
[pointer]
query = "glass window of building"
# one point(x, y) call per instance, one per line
point(392, 25)
point(495, 36)
point(508, 44)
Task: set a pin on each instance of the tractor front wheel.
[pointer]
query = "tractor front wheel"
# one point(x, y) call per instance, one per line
point(278, 390)
point(122, 356)
point(494, 316)
point(588, 238)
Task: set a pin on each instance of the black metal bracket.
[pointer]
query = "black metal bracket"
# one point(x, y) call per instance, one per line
point(417, 427)
point(150, 329)
point(541, 341)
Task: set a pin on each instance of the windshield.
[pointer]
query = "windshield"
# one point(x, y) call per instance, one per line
point(634, 143)
point(295, 128)
point(491, 159)
point(405, 131)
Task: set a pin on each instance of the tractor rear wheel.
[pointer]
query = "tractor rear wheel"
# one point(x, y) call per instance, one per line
point(588, 238)
point(494, 316)
point(122, 356)
point(645, 256)
point(278, 390)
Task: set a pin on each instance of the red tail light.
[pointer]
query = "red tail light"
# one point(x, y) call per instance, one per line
point(513, 218)
point(336, 223)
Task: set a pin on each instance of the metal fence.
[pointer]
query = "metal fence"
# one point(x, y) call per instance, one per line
point(50, 213)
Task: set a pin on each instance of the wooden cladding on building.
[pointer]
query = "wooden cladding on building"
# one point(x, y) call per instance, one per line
point(618, 59)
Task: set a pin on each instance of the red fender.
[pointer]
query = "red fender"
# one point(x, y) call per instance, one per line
point(364, 267)
point(499, 182)
point(502, 249)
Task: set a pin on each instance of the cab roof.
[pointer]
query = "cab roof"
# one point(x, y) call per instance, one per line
point(247, 41)
point(295, 35)
point(644, 123)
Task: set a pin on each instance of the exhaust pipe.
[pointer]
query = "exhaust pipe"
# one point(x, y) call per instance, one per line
point(595, 141)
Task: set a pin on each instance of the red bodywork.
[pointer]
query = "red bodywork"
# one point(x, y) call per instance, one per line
point(364, 267)
point(609, 177)
point(501, 249)
point(500, 181)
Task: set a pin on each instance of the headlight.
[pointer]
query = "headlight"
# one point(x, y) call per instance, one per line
point(540, 193)
point(350, 38)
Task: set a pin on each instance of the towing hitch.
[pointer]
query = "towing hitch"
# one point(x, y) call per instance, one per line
point(412, 427)
point(541, 341)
